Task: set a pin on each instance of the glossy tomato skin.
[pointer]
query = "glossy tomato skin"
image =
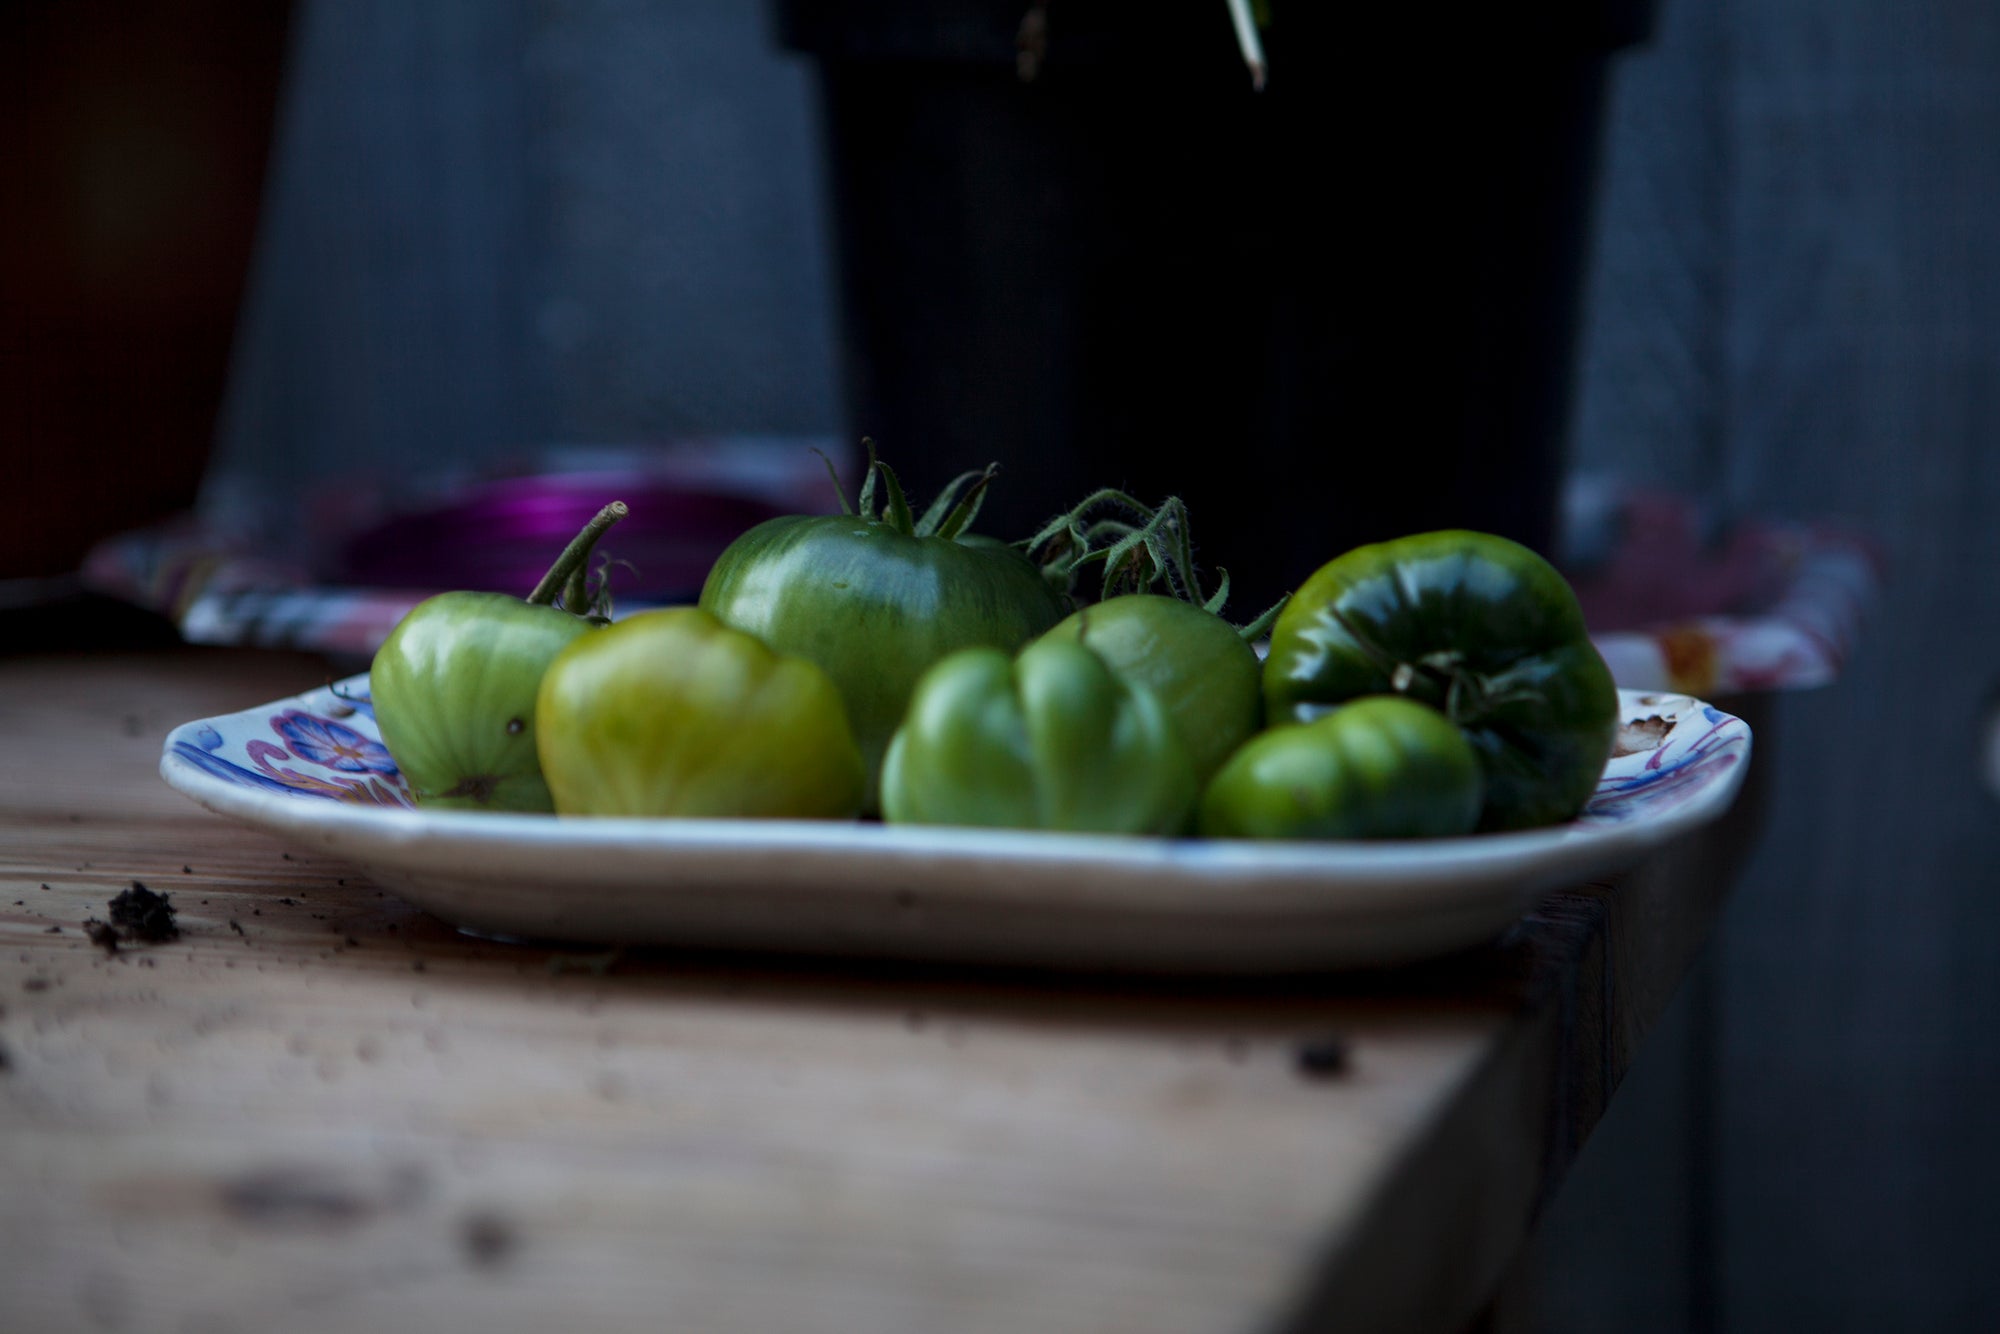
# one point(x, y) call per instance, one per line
point(1051, 739)
point(874, 607)
point(1378, 767)
point(1195, 663)
point(454, 690)
point(1475, 625)
point(672, 713)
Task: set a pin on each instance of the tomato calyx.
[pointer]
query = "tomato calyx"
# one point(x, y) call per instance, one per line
point(1142, 548)
point(1440, 678)
point(567, 583)
point(948, 516)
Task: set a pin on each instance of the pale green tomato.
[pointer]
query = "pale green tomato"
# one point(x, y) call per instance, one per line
point(1051, 739)
point(454, 694)
point(1195, 663)
point(672, 713)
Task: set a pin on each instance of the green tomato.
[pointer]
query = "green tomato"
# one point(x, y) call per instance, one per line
point(1051, 739)
point(1380, 767)
point(454, 693)
point(1195, 663)
point(1476, 626)
point(875, 601)
point(672, 713)
point(453, 686)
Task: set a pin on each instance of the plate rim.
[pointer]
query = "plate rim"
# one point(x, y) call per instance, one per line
point(1151, 878)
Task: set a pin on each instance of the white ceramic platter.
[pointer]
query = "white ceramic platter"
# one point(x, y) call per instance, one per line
point(312, 770)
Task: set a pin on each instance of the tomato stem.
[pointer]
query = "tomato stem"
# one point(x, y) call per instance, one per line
point(896, 510)
point(1140, 547)
point(865, 502)
point(948, 515)
point(1256, 629)
point(567, 575)
point(839, 487)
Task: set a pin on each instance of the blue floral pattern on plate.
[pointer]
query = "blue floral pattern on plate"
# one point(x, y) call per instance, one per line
point(327, 751)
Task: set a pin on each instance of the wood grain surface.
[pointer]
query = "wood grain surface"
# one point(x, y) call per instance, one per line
point(320, 1109)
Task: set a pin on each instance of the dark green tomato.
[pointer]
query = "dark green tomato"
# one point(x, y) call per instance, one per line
point(874, 606)
point(1471, 624)
point(454, 693)
point(1380, 767)
point(1195, 663)
point(672, 713)
point(1051, 739)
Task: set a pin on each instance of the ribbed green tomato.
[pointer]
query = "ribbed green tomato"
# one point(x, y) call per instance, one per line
point(1051, 739)
point(874, 601)
point(454, 693)
point(1195, 663)
point(1379, 767)
point(672, 713)
point(1474, 625)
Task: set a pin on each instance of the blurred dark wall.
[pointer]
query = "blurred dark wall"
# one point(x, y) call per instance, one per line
point(133, 142)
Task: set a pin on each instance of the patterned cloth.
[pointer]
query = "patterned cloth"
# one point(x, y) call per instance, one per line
point(1772, 606)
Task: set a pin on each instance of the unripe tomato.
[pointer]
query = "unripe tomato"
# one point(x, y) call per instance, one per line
point(454, 692)
point(1379, 767)
point(875, 600)
point(1051, 739)
point(453, 686)
point(1476, 626)
point(1196, 664)
point(673, 713)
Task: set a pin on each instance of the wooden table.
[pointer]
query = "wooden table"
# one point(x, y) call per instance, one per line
point(320, 1109)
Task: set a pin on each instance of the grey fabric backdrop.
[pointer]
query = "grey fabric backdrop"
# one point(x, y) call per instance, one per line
point(1797, 312)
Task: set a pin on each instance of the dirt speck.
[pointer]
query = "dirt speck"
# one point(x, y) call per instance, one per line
point(102, 934)
point(1323, 1057)
point(316, 1199)
point(143, 915)
point(488, 1239)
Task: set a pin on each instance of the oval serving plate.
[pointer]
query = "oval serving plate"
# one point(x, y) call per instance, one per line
point(312, 769)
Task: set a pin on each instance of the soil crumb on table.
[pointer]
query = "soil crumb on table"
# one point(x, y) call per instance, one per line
point(144, 915)
point(1322, 1057)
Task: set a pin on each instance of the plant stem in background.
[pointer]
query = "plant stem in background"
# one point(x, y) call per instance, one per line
point(1247, 41)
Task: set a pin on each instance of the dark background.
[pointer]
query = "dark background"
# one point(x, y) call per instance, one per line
point(492, 227)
